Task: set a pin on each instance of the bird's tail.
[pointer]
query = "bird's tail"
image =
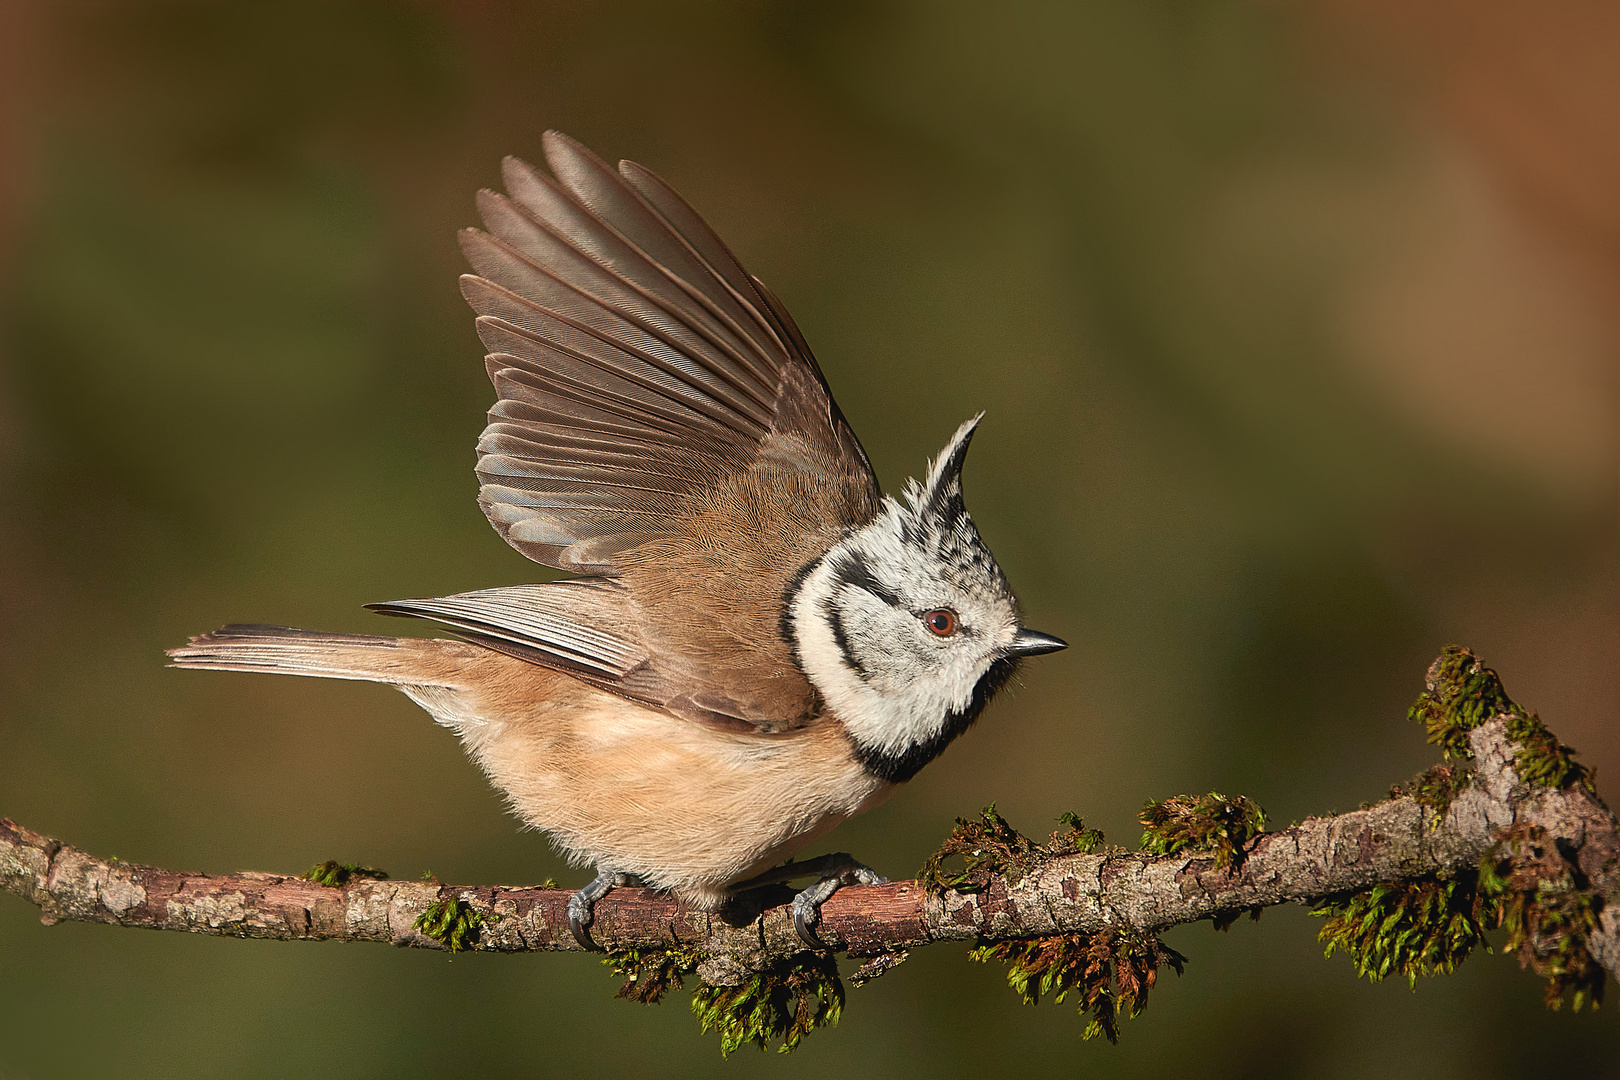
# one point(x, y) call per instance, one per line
point(284, 650)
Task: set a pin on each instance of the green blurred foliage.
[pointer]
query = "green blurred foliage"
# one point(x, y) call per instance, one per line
point(239, 385)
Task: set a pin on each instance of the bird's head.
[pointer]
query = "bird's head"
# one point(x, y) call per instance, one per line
point(907, 627)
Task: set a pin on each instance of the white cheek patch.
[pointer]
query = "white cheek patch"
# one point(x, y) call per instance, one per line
point(864, 655)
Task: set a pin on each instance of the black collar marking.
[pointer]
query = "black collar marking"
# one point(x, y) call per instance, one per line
point(790, 593)
point(898, 768)
point(835, 619)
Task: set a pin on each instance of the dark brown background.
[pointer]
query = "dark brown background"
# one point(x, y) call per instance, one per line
point(1296, 327)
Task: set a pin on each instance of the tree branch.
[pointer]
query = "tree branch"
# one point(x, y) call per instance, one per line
point(1398, 840)
point(1514, 837)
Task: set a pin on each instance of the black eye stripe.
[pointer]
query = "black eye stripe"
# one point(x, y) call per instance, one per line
point(853, 572)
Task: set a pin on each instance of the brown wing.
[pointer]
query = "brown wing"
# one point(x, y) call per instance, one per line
point(660, 421)
point(637, 363)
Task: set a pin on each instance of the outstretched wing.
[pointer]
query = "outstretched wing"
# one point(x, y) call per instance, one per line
point(661, 424)
point(638, 366)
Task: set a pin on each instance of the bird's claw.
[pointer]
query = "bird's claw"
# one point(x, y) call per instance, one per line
point(580, 917)
point(807, 902)
point(805, 918)
point(582, 905)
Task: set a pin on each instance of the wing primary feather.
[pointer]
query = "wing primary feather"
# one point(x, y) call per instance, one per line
point(612, 196)
point(650, 371)
point(513, 441)
point(536, 454)
point(513, 378)
point(612, 282)
point(623, 232)
point(573, 416)
point(491, 300)
point(585, 384)
point(496, 259)
point(501, 438)
point(510, 471)
point(519, 401)
point(503, 337)
point(695, 233)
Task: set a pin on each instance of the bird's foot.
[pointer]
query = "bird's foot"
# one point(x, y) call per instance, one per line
point(582, 905)
point(834, 872)
point(807, 902)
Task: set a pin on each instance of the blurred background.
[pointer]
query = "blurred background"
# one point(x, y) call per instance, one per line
point(1296, 325)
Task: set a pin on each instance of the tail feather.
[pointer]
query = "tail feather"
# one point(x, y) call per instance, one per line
point(284, 650)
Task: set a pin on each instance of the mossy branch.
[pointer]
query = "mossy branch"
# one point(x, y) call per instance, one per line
point(1511, 834)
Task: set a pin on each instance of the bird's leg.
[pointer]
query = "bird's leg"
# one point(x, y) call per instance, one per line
point(833, 871)
point(582, 905)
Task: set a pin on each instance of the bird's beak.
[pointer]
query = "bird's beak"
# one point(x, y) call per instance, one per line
point(1033, 643)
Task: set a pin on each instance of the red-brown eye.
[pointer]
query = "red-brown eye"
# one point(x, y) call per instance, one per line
point(942, 621)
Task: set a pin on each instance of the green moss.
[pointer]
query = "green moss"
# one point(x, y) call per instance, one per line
point(1435, 788)
point(650, 973)
point(1461, 693)
point(1212, 823)
point(987, 846)
point(1072, 837)
point(990, 846)
point(1527, 887)
point(1110, 973)
point(1549, 914)
point(786, 1001)
point(452, 923)
point(335, 875)
point(1541, 759)
point(1549, 929)
point(783, 1003)
point(1411, 929)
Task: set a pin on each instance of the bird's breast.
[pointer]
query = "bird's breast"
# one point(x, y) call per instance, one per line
point(686, 805)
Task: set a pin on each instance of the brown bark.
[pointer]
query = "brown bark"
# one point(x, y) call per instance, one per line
point(1393, 841)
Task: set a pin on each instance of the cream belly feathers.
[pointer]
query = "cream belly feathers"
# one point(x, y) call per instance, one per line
point(612, 783)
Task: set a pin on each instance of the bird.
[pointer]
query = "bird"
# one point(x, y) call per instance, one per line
point(756, 643)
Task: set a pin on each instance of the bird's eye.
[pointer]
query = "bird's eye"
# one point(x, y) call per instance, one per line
point(942, 621)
